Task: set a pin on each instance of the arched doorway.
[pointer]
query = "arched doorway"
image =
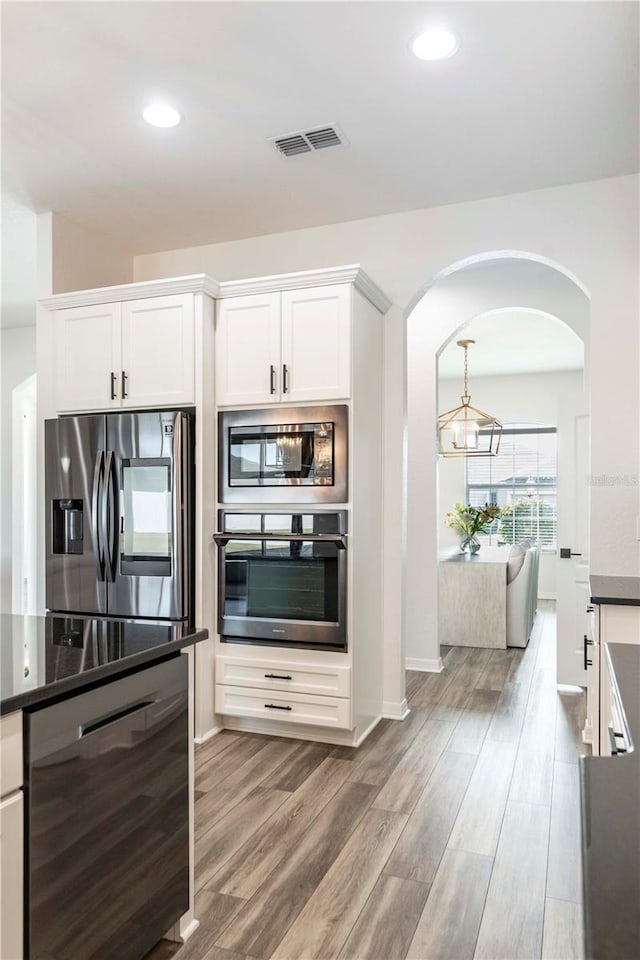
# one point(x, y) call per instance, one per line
point(489, 282)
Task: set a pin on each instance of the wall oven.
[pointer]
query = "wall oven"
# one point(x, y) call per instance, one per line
point(276, 455)
point(282, 578)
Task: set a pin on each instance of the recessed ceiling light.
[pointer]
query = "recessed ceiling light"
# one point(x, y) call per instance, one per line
point(161, 115)
point(435, 44)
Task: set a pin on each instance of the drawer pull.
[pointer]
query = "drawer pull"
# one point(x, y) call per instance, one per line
point(277, 676)
point(274, 706)
point(587, 642)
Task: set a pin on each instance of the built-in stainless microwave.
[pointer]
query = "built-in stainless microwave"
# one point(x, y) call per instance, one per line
point(295, 454)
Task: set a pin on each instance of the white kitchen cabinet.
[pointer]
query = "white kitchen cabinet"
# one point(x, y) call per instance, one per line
point(608, 623)
point(316, 344)
point(88, 350)
point(590, 732)
point(284, 707)
point(11, 837)
point(158, 351)
point(11, 876)
point(248, 350)
point(304, 690)
point(137, 353)
point(10, 753)
point(295, 676)
point(293, 345)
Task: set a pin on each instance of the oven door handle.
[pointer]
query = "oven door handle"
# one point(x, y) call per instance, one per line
point(339, 539)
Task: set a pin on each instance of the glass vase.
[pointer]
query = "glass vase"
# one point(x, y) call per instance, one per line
point(469, 544)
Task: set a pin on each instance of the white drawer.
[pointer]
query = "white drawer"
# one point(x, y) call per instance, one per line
point(292, 708)
point(289, 675)
point(10, 753)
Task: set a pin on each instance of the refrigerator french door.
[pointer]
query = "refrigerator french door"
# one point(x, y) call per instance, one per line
point(120, 514)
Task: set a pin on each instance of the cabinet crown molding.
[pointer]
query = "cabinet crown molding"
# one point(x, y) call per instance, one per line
point(202, 283)
point(195, 283)
point(351, 273)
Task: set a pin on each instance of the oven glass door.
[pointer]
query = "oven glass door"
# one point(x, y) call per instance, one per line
point(283, 591)
point(281, 454)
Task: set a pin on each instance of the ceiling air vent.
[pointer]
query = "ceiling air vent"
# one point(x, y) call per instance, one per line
point(304, 141)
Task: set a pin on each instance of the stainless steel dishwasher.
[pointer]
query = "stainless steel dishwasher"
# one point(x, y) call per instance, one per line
point(107, 827)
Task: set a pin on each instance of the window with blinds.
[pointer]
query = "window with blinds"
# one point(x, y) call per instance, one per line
point(522, 481)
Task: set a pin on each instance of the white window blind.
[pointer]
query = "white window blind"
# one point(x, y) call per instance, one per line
point(522, 480)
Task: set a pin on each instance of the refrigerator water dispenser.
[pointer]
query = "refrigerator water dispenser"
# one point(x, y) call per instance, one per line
point(67, 526)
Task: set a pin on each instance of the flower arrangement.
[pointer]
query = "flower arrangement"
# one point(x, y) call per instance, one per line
point(470, 521)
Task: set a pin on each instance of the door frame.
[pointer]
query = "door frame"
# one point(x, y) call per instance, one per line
point(24, 494)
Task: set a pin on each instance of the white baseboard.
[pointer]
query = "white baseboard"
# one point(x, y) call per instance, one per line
point(363, 736)
point(183, 929)
point(207, 736)
point(395, 711)
point(424, 666)
point(347, 738)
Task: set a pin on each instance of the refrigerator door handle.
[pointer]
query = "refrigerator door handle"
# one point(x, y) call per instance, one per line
point(178, 548)
point(97, 491)
point(111, 517)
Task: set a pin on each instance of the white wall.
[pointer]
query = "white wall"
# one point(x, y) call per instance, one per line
point(525, 398)
point(17, 355)
point(590, 230)
point(18, 360)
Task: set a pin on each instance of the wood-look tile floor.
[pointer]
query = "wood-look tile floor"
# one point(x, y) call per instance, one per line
point(453, 835)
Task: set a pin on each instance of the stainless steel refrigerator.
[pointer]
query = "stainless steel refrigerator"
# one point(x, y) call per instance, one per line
point(119, 499)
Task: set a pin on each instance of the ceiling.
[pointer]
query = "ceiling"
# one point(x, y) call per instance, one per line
point(539, 94)
point(511, 342)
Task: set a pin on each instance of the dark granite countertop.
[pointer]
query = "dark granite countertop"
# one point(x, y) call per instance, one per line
point(616, 590)
point(610, 796)
point(42, 658)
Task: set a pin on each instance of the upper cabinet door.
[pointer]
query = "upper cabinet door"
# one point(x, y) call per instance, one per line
point(158, 364)
point(87, 373)
point(248, 350)
point(316, 343)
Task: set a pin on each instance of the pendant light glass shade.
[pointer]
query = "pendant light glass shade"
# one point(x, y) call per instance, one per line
point(466, 431)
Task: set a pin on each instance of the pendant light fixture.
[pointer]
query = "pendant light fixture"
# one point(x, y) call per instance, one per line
point(466, 431)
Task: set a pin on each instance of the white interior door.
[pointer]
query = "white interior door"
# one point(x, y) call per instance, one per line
point(573, 536)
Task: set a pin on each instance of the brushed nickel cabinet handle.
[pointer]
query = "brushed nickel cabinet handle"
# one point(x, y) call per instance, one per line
point(285, 378)
point(124, 385)
point(272, 379)
point(113, 385)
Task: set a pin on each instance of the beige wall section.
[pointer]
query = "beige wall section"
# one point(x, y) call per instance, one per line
point(83, 258)
point(589, 229)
